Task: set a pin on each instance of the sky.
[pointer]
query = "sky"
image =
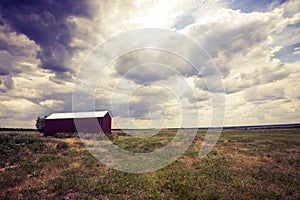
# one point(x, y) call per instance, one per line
point(255, 46)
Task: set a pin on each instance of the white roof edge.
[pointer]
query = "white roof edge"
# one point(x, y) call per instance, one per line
point(72, 115)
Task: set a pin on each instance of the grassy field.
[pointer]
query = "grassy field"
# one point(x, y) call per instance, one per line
point(244, 164)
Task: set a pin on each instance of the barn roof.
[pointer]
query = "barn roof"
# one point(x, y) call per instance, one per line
point(73, 115)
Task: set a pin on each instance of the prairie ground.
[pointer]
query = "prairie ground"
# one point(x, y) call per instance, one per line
point(244, 164)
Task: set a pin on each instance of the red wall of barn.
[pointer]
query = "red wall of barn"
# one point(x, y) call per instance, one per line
point(53, 126)
point(106, 123)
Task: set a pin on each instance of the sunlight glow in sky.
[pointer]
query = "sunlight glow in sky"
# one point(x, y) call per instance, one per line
point(255, 45)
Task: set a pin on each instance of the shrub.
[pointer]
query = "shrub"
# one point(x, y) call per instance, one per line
point(61, 145)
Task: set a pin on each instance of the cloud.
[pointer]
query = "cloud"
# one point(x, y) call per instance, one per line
point(53, 104)
point(151, 105)
point(45, 22)
point(18, 113)
point(233, 32)
point(255, 6)
point(152, 65)
point(6, 83)
point(264, 93)
point(243, 45)
point(16, 50)
point(257, 74)
point(152, 98)
point(297, 51)
point(42, 43)
point(291, 8)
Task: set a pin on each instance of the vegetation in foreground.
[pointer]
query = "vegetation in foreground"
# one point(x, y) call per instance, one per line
point(244, 164)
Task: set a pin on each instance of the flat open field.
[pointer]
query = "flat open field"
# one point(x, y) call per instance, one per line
point(244, 164)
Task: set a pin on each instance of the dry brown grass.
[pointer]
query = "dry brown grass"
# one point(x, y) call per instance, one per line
point(243, 164)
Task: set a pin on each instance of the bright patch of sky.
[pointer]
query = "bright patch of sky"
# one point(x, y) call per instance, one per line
point(248, 6)
point(289, 54)
point(184, 21)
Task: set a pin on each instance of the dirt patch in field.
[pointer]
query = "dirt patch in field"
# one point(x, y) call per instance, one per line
point(35, 182)
point(242, 161)
point(70, 141)
point(41, 180)
point(50, 145)
point(241, 158)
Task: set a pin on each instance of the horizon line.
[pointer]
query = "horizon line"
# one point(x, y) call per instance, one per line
point(286, 125)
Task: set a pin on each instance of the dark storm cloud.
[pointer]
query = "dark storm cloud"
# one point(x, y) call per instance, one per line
point(45, 22)
point(148, 66)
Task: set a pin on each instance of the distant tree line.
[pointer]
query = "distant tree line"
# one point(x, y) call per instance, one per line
point(16, 129)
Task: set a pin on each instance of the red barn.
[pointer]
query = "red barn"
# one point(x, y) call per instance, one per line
point(88, 122)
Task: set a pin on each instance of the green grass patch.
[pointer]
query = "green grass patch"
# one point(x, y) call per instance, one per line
point(244, 164)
